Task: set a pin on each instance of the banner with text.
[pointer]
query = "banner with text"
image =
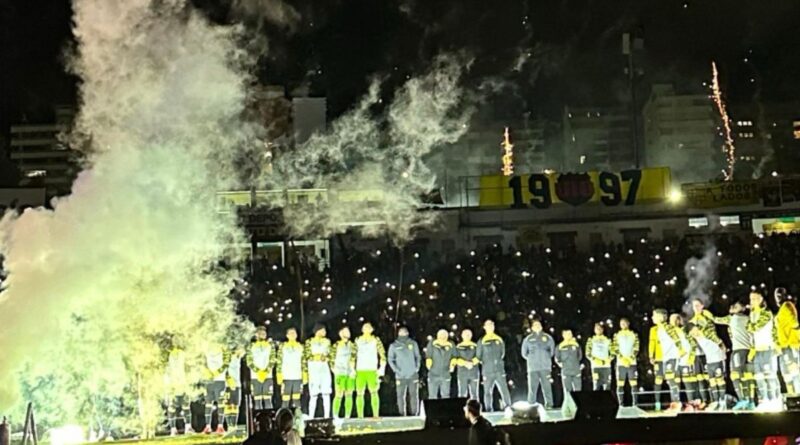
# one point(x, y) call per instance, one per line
point(542, 190)
point(721, 194)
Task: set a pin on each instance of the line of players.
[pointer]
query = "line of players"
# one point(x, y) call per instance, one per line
point(689, 354)
point(337, 369)
point(682, 353)
point(345, 367)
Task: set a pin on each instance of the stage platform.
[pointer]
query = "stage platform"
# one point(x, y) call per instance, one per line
point(631, 426)
point(352, 427)
point(635, 427)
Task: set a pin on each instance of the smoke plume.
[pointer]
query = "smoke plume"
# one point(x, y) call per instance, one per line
point(273, 11)
point(137, 259)
point(129, 263)
point(380, 159)
point(700, 274)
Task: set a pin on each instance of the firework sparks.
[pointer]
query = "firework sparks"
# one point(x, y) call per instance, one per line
point(728, 147)
point(508, 154)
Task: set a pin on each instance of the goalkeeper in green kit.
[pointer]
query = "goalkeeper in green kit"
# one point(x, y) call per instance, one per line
point(344, 374)
point(370, 365)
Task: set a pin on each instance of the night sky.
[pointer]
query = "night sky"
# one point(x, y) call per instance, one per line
point(575, 48)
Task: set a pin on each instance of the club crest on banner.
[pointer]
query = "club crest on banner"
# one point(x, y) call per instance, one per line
point(574, 188)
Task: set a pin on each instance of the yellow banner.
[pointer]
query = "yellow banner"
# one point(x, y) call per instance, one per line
point(781, 227)
point(542, 190)
point(278, 198)
point(721, 194)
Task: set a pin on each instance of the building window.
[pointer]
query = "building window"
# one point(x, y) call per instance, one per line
point(729, 220)
point(698, 222)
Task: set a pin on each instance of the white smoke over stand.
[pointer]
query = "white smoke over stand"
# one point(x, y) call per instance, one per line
point(128, 259)
point(381, 156)
point(700, 274)
point(126, 265)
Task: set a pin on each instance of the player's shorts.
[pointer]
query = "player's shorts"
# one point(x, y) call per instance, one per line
point(319, 382)
point(665, 369)
point(214, 391)
point(345, 383)
point(764, 363)
point(292, 388)
point(716, 370)
point(234, 399)
point(686, 373)
point(739, 362)
point(790, 362)
point(366, 379)
point(625, 373)
point(700, 366)
point(261, 389)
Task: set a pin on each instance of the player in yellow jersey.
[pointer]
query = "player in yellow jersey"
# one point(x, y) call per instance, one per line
point(317, 353)
point(625, 348)
point(788, 341)
point(261, 359)
point(664, 351)
point(762, 326)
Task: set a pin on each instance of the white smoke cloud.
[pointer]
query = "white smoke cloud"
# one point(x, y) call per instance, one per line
point(274, 11)
point(700, 274)
point(102, 283)
point(382, 157)
point(129, 257)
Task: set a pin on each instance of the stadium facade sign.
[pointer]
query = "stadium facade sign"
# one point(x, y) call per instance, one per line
point(722, 194)
point(544, 190)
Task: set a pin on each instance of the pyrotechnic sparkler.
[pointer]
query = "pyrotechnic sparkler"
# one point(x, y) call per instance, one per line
point(728, 147)
point(508, 154)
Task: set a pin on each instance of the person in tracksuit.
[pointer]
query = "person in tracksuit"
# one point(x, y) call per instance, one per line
point(715, 362)
point(538, 349)
point(762, 326)
point(598, 352)
point(741, 368)
point(261, 359)
point(292, 374)
point(467, 370)
point(316, 356)
point(625, 349)
point(344, 373)
point(405, 360)
point(491, 353)
point(568, 357)
point(440, 360)
point(664, 350)
point(788, 338)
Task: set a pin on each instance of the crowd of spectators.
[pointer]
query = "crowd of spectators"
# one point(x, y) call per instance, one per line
point(427, 290)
